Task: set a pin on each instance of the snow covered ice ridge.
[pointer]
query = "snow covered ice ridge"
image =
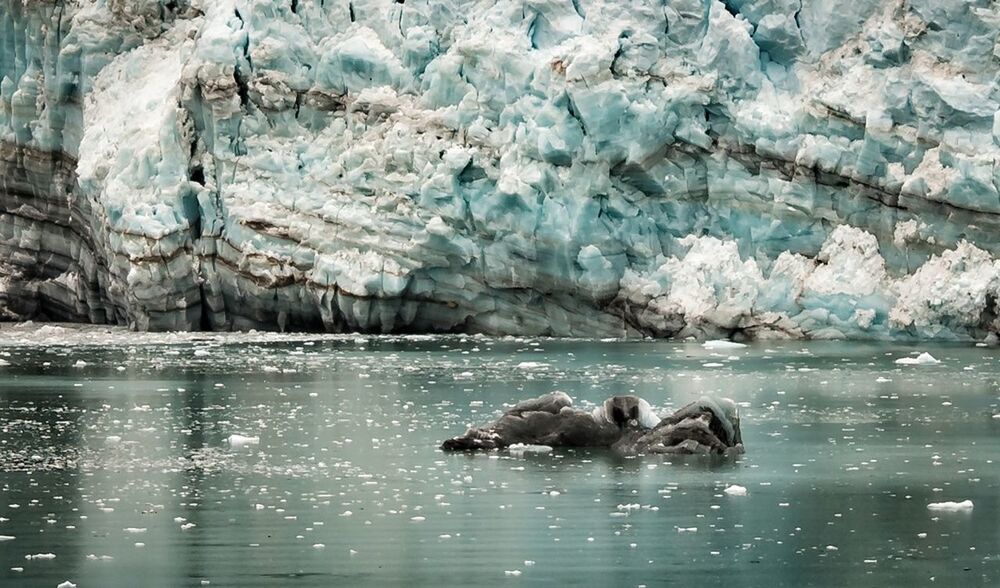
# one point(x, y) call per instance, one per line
point(587, 168)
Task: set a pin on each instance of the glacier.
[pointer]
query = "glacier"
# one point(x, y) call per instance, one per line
point(605, 168)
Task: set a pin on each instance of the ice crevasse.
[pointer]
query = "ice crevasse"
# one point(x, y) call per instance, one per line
point(761, 168)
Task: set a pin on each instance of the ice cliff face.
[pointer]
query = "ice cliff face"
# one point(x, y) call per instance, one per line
point(564, 167)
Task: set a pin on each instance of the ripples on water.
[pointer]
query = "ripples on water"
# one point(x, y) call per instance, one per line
point(131, 459)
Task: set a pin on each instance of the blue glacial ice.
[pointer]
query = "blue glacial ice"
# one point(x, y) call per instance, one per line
point(757, 168)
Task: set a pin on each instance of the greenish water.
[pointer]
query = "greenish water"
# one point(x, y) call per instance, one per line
point(121, 467)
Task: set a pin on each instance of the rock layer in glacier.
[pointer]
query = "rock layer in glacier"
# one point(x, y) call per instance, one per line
point(565, 167)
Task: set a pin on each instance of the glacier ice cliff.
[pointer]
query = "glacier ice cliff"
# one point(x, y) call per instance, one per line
point(760, 168)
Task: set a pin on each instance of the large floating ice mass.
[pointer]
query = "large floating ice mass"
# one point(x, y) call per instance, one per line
point(540, 167)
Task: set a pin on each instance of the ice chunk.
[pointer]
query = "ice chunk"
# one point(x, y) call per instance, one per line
point(736, 490)
point(532, 365)
point(237, 440)
point(522, 448)
point(922, 359)
point(965, 505)
point(722, 344)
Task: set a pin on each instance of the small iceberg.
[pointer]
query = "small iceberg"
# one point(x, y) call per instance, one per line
point(965, 505)
point(237, 440)
point(722, 344)
point(522, 448)
point(735, 490)
point(922, 359)
point(532, 365)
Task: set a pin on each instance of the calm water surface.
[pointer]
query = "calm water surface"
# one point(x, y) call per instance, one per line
point(114, 458)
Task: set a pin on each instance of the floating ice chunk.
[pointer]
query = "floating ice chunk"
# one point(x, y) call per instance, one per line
point(187, 526)
point(319, 546)
point(41, 556)
point(93, 557)
point(4, 363)
point(922, 359)
point(134, 529)
point(532, 365)
point(965, 505)
point(418, 519)
point(522, 448)
point(66, 584)
point(832, 548)
point(514, 573)
point(7, 537)
point(237, 440)
point(687, 529)
point(722, 344)
point(713, 364)
point(735, 490)
point(80, 364)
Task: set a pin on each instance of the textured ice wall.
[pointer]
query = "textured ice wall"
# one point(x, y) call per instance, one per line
point(565, 167)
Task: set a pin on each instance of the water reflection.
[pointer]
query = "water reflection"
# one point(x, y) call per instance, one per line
point(126, 476)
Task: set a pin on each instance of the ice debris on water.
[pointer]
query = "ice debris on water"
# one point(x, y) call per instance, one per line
point(522, 448)
point(722, 344)
point(532, 365)
point(922, 359)
point(951, 506)
point(66, 584)
point(237, 440)
point(41, 556)
point(736, 490)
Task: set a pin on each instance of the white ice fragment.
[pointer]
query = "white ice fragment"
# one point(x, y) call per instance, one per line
point(80, 364)
point(722, 344)
point(522, 448)
point(41, 556)
point(965, 505)
point(7, 537)
point(187, 526)
point(134, 529)
point(418, 519)
point(237, 440)
point(66, 584)
point(736, 490)
point(532, 365)
point(922, 359)
point(514, 573)
point(319, 546)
